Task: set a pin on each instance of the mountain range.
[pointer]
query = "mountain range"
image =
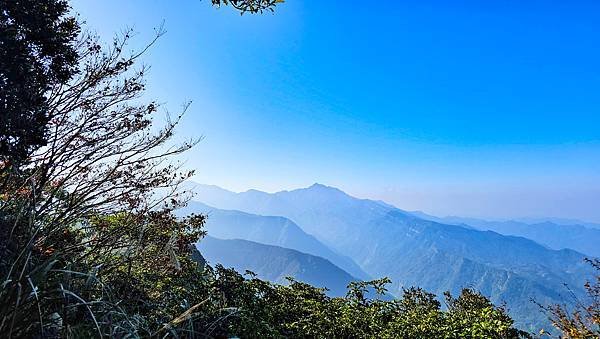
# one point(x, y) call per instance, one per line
point(582, 237)
point(269, 230)
point(275, 263)
point(413, 251)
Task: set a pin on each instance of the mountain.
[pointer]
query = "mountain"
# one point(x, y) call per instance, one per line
point(559, 221)
point(275, 263)
point(553, 235)
point(386, 241)
point(270, 230)
point(315, 219)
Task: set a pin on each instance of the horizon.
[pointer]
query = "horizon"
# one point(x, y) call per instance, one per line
point(527, 219)
point(285, 168)
point(489, 112)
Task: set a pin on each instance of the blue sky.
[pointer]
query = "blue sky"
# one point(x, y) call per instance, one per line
point(475, 108)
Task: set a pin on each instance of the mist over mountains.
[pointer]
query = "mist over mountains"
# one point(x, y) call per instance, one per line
point(269, 230)
point(557, 234)
point(275, 263)
point(410, 249)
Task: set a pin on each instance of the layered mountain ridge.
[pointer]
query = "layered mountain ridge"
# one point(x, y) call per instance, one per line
point(580, 237)
point(269, 230)
point(275, 263)
point(411, 251)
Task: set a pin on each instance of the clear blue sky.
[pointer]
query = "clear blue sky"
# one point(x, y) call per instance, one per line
point(475, 108)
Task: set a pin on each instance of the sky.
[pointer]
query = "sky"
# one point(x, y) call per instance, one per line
point(472, 108)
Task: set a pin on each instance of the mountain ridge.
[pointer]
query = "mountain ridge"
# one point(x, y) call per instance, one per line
point(387, 241)
point(275, 263)
point(555, 236)
point(269, 230)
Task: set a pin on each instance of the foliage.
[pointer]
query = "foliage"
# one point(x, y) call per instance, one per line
point(584, 321)
point(260, 309)
point(89, 245)
point(37, 52)
point(103, 158)
point(252, 6)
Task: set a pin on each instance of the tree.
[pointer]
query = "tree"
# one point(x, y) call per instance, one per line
point(77, 149)
point(101, 159)
point(90, 247)
point(471, 315)
point(252, 6)
point(37, 53)
point(584, 320)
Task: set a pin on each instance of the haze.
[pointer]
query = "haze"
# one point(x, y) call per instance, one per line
point(475, 109)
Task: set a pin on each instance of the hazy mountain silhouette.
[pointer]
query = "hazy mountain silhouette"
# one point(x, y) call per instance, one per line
point(557, 236)
point(559, 221)
point(270, 230)
point(275, 263)
point(386, 241)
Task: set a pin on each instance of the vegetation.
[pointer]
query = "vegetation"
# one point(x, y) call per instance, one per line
point(36, 55)
point(89, 244)
point(584, 320)
point(251, 6)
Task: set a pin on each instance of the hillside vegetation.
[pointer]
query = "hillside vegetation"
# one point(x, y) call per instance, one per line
point(411, 251)
point(90, 245)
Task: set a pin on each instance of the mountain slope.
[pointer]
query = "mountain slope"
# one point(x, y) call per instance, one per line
point(559, 221)
point(325, 212)
point(386, 241)
point(275, 263)
point(553, 235)
point(278, 231)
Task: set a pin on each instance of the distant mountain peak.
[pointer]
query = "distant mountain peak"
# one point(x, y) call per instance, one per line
point(316, 185)
point(324, 188)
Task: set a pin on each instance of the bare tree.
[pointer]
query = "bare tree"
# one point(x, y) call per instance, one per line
point(104, 156)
